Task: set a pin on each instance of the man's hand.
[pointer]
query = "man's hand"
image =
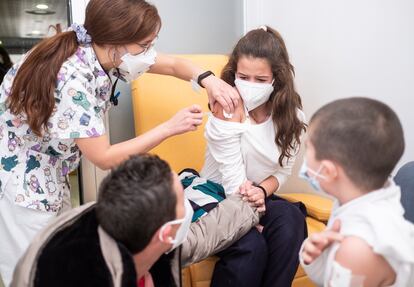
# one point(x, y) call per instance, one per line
point(318, 242)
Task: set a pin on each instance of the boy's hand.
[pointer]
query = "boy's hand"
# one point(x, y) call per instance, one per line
point(318, 242)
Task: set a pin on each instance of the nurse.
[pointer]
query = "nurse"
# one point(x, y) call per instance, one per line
point(52, 107)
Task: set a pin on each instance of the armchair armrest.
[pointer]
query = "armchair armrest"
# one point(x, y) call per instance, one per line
point(318, 207)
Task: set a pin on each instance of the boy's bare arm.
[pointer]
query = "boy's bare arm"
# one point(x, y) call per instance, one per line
point(357, 256)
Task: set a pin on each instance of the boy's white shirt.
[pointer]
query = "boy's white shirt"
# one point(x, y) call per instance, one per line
point(377, 218)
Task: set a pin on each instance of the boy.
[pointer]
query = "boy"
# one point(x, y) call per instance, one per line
point(353, 146)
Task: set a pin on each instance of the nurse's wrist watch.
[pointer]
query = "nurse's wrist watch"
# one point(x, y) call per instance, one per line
point(196, 83)
point(203, 76)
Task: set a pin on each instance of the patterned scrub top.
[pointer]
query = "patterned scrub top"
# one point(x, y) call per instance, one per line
point(39, 166)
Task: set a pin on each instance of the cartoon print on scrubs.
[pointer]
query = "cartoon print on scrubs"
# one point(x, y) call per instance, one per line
point(14, 141)
point(50, 184)
point(79, 98)
point(39, 166)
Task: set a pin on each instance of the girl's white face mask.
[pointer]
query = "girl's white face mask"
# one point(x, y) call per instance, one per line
point(184, 227)
point(133, 66)
point(253, 94)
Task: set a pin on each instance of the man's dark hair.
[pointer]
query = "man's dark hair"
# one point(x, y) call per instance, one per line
point(362, 135)
point(135, 199)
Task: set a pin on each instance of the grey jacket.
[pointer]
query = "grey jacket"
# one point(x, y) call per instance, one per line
point(25, 272)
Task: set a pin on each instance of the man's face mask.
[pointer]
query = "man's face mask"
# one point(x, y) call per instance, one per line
point(311, 176)
point(183, 229)
point(133, 66)
point(253, 94)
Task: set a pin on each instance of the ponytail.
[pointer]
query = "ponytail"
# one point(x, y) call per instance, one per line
point(33, 88)
point(107, 22)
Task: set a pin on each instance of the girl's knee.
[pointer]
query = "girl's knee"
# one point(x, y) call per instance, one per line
point(286, 218)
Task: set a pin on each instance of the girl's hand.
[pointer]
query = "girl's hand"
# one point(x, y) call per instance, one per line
point(318, 242)
point(219, 91)
point(253, 195)
point(187, 119)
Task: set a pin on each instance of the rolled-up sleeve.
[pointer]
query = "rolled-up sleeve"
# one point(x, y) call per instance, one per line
point(224, 146)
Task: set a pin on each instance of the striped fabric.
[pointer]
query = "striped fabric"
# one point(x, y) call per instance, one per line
point(203, 194)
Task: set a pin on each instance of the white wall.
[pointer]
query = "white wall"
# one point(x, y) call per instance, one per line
point(347, 48)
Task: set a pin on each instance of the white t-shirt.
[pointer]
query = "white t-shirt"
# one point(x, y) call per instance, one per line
point(377, 218)
point(237, 152)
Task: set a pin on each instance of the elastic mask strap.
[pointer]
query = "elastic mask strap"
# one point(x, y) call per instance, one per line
point(317, 173)
point(173, 222)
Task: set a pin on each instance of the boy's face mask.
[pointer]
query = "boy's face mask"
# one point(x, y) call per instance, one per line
point(253, 94)
point(183, 229)
point(311, 176)
point(133, 66)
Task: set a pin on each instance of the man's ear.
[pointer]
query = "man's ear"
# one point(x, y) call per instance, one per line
point(164, 234)
point(330, 170)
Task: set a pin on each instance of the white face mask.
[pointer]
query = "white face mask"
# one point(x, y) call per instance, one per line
point(253, 94)
point(183, 229)
point(133, 66)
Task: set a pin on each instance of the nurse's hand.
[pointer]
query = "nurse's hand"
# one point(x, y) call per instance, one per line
point(219, 91)
point(187, 119)
point(318, 242)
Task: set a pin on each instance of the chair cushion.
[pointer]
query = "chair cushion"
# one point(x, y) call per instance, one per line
point(317, 207)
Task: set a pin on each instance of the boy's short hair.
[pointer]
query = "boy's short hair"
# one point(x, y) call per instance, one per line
point(364, 136)
point(135, 199)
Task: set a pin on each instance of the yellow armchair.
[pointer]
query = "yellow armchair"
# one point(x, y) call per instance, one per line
point(155, 99)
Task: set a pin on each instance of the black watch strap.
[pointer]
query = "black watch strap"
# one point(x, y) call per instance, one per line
point(203, 76)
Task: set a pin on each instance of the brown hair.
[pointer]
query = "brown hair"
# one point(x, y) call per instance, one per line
point(108, 22)
point(285, 100)
point(362, 135)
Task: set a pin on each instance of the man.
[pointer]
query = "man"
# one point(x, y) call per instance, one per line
point(141, 213)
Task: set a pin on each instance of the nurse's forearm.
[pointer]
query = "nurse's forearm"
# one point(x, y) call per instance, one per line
point(106, 156)
point(176, 67)
point(216, 88)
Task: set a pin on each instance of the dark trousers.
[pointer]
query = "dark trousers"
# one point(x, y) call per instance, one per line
point(265, 259)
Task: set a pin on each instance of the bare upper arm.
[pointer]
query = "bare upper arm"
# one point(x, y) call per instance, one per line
point(356, 255)
point(238, 115)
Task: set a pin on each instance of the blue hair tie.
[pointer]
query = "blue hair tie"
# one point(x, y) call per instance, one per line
point(81, 34)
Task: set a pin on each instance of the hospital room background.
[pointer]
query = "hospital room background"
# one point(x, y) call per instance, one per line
point(339, 49)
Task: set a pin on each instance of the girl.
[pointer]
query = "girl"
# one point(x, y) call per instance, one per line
point(252, 151)
point(52, 108)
